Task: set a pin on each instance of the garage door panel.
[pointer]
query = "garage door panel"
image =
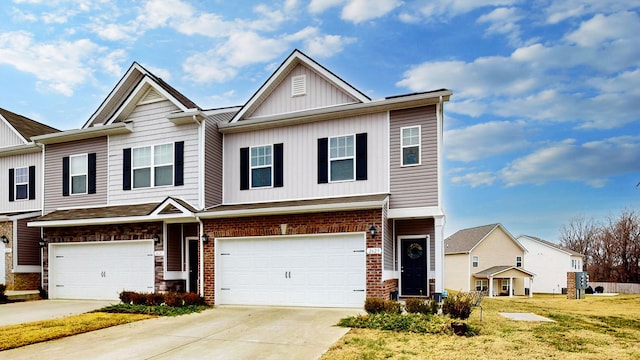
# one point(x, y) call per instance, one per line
point(100, 270)
point(298, 271)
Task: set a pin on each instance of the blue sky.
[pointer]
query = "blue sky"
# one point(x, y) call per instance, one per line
point(543, 126)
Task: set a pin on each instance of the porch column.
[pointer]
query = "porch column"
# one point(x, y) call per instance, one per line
point(439, 258)
point(510, 287)
point(490, 286)
point(531, 287)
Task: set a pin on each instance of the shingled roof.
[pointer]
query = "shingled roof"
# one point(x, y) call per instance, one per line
point(25, 126)
point(465, 240)
point(556, 246)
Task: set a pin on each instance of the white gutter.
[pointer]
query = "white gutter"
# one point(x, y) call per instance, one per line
point(19, 149)
point(107, 221)
point(80, 134)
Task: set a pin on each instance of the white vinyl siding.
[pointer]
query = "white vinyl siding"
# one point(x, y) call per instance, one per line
point(410, 147)
point(152, 128)
point(300, 163)
point(78, 173)
point(342, 158)
point(21, 183)
point(319, 93)
point(261, 166)
point(53, 165)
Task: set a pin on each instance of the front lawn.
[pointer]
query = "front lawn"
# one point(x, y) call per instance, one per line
point(592, 328)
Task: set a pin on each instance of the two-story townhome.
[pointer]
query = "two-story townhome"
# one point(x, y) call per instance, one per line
point(20, 200)
point(550, 262)
point(486, 258)
point(329, 197)
point(122, 192)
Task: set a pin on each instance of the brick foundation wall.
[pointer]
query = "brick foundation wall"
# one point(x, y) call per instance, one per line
point(298, 224)
point(133, 231)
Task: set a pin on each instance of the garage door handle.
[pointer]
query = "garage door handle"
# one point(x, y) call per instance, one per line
point(358, 250)
point(287, 274)
point(359, 290)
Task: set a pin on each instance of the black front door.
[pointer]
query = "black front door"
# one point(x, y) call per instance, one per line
point(193, 265)
point(414, 267)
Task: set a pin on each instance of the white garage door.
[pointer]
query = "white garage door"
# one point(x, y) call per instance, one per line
point(326, 270)
point(100, 270)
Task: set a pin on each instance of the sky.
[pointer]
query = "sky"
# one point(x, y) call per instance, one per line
point(543, 125)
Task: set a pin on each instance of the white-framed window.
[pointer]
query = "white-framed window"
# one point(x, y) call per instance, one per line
point(475, 261)
point(152, 165)
point(78, 173)
point(518, 261)
point(342, 158)
point(505, 284)
point(410, 145)
point(22, 183)
point(261, 166)
point(482, 285)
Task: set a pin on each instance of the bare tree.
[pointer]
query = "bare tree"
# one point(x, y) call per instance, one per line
point(581, 235)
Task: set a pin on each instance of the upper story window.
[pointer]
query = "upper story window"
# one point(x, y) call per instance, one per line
point(341, 158)
point(22, 183)
point(475, 261)
point(518, 261)
point(410, 145)
point(261, 166)
point(78, 171)
point(152, 165)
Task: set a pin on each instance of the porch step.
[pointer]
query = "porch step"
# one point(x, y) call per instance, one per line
point(25, 295)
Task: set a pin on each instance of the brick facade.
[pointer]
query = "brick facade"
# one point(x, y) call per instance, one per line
point(299, 224)
point(13, 280)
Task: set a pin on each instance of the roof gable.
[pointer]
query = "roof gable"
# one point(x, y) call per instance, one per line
point(464, 241)
point(280, 82)
point(129, 91)
point(548, 244)
point(23, 127)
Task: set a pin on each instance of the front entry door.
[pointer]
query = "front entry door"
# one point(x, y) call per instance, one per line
point(414, 267)
point(193, 266)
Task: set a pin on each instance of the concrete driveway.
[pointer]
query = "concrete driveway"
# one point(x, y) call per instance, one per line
point(222, 333)
point(27, 311)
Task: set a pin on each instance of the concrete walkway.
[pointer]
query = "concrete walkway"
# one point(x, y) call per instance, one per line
point(27, 311)
point(221, 333)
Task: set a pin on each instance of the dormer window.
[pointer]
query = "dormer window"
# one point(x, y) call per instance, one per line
point(299, 85)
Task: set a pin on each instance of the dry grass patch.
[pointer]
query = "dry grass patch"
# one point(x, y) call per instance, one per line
point(591, 328)
point(14, 336)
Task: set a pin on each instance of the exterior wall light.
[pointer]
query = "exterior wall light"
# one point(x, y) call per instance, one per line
point(373, 231)
point(42, 242)
point(205, 238)
point(156, 239)
point(4, 239)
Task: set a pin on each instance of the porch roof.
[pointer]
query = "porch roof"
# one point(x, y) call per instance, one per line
point(496, 271)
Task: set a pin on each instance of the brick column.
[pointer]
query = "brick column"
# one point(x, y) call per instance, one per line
point(571, 286)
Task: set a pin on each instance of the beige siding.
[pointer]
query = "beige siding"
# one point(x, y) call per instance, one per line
point(152, 128)
point(497, 249)
point(212, 164)
point(53, 168)
point(320, 93)
point(420, 227)
point(19, 161)
point(28, 247)
point(456, 272)
point(8, 137)
point(414, 186)
point(301, 157)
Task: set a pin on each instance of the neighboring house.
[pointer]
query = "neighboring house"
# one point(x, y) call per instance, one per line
point(486, 258)
point(329, 197)
point(311, 194)
point(20, 200)
point(550, 263)
point(122, 192)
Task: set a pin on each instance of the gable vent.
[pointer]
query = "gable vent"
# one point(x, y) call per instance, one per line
point(298, 85)
point(151, 96)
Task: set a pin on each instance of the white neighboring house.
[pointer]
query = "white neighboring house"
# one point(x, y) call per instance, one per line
point(550, 262)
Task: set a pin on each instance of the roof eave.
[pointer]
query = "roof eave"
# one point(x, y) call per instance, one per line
point(27, 148)
point(110, 220)
point(86, 133)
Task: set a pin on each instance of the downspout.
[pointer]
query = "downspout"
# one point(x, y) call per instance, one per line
point(201, 248)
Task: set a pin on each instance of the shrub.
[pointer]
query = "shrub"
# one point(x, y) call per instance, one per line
point(3, 297)
point(138, 299)
point(173, 299)
point(458, 306)
point(599, 289)
point(374, 305)
point(392, 307)
point(416, 323)
point(126, 297)
point(192, 298)
point(154, 299)
point(421, 306)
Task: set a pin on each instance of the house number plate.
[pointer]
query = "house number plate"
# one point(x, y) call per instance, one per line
point(374, 251)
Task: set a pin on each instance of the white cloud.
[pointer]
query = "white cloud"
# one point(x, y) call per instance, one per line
point(358, 11)
point(485, 140)
point(602, 28)
point(557, 11)
point(503, 21)
point(111, 62)
point(323, 46)
point(318, 6)
point(474, 179)
point(59, 66)
point(439, 10)
point(592, 163)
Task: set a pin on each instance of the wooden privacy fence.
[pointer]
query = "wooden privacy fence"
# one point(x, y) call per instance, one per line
point(620, 288)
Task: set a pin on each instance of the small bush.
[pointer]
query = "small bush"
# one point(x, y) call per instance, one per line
point(599, 289)
point(154, 299)
point(3, 297)
point(126, 297)
point(138, 299)
point(458, 306)
point(421, 306)
point(192, 298)
point(416, 323)
point(392, 307)
point(173, 299)
point(373, 305)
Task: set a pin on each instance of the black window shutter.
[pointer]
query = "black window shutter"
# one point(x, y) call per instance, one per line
point(323, 160)
point(178, 168)
point(32, 182)
point(65, 176)
point(12, 185)
point(244, 168)
point(361, 156)
point(277, 165)
point(91, 177)
point(126, 169)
